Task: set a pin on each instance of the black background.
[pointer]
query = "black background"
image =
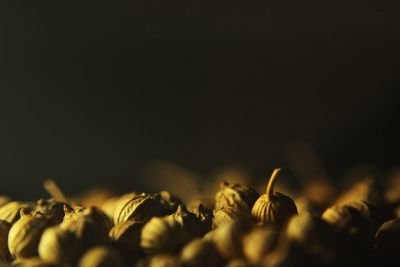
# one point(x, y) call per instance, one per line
point(92, 91)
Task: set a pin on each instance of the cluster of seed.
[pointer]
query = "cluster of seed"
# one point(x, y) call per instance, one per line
point(240, 228)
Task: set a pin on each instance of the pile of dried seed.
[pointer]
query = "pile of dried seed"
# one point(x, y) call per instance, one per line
point(239, 228)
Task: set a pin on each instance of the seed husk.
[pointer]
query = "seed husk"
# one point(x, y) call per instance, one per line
point(139, 208)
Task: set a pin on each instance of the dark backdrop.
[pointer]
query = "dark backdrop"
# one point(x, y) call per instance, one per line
point(92, 91)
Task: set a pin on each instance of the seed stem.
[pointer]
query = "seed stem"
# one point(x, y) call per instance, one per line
point(271, 183)
point(54, 191)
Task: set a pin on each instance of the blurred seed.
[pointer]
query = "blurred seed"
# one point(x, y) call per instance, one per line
point(4, 230)
point(25, 234)
point(101, 257)
point(200, 253)
point(10, 212)
point(59, 246)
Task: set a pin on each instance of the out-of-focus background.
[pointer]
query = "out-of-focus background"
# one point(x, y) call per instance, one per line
point(114, 93)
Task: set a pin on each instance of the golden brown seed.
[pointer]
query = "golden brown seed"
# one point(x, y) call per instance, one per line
point(311, 235)
point(89, 225)
point(200, 253)
point(10, 212)
point(238, 263)
point(4, 230)
point(342, 216)
point(101, 256)
point(283, 255)
point(235, 195)
point(273, 207)
point(280, 259)
point(32, 262)
point(164, 260)
point(189, 221)
point(170, 233)
point(139, 208)
point(163, 234)
point(260, 241)
point(351, 220)
point(25, 234)
point(228, 238)
point(303, 229)
point(121, 202)
point(229, 214)
point(126, 237)
point(4, 200)
point(58, 246)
